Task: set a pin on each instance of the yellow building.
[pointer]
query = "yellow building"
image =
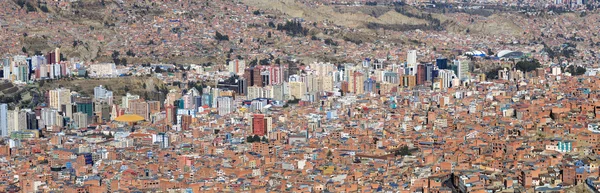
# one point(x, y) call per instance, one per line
point(58, 97)
point(296, 90)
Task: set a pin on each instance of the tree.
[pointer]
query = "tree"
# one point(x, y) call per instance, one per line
point(329, 153)
point(269, 34)
point(576, 71)
point(221, 37)
point(24, 49)
point(265, 140)
point(44, 8)
point(256, 138)
point(158, 70)
point(402, 151)
point(249, 139)
point(144, 85)
point(130, 53)
point(528, 65)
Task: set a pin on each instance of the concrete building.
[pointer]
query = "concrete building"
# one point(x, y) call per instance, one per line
point(237, 67)
point(462, 65)
point(80, 120)
point(102, 94)
point(225, 105)
point(59, 97)
point(128, 97)
point(4, 120)
point(139, 107)
point(411, 58)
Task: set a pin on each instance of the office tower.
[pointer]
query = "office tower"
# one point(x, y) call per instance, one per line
point(225, 105)
point(429, 72)
point(421, 74)
point(462, 65)
point(85, 105)
point(441, 63)
point(31, 121)
point(446, 77)
point(411, 58)
point(257, 76)
point(249, 76)
point(59, 97)
point(4, 120)
point(369, 85)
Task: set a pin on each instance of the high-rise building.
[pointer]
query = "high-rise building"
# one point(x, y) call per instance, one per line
point(237, 66)
point(261, 124)
point(4, 120)
point(411, 59)
point(171, 112)
point(442, 63)
point(296, 90)
point(225, 105)
point(85, 105)
point(59, 97)
point(128, 97)
point(446, 77)
point(139, 107)
point(462, 65)
point(356, 83)
point(421, 74)
point(80, 120)
point(102, 94)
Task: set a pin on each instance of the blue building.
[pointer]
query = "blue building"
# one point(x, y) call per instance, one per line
point(442, 63)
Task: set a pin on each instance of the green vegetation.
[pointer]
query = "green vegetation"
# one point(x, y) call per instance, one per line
point(575, 71)
point(293, 28)
point(255, 138)
point(528, 65)
point(493, 74)
point(221, 37)
point(402, 151)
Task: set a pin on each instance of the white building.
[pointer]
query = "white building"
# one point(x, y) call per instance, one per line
point(411, 58)
point(225, 105)
point(237, 66)
point(102, 70)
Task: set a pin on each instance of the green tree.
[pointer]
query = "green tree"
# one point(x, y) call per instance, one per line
point(528, 65)
point(24, 49)
point(256, 138)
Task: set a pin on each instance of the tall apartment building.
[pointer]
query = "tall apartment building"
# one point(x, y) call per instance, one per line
point(237, 66)
point(139, 107)
point(225, 105)
point(59, 97)
point(411, 58)
point(4, 120)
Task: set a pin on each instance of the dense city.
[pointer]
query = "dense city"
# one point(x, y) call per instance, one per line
point(299, 96)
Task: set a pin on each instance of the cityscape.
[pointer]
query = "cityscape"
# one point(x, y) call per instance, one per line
point(190, 96)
